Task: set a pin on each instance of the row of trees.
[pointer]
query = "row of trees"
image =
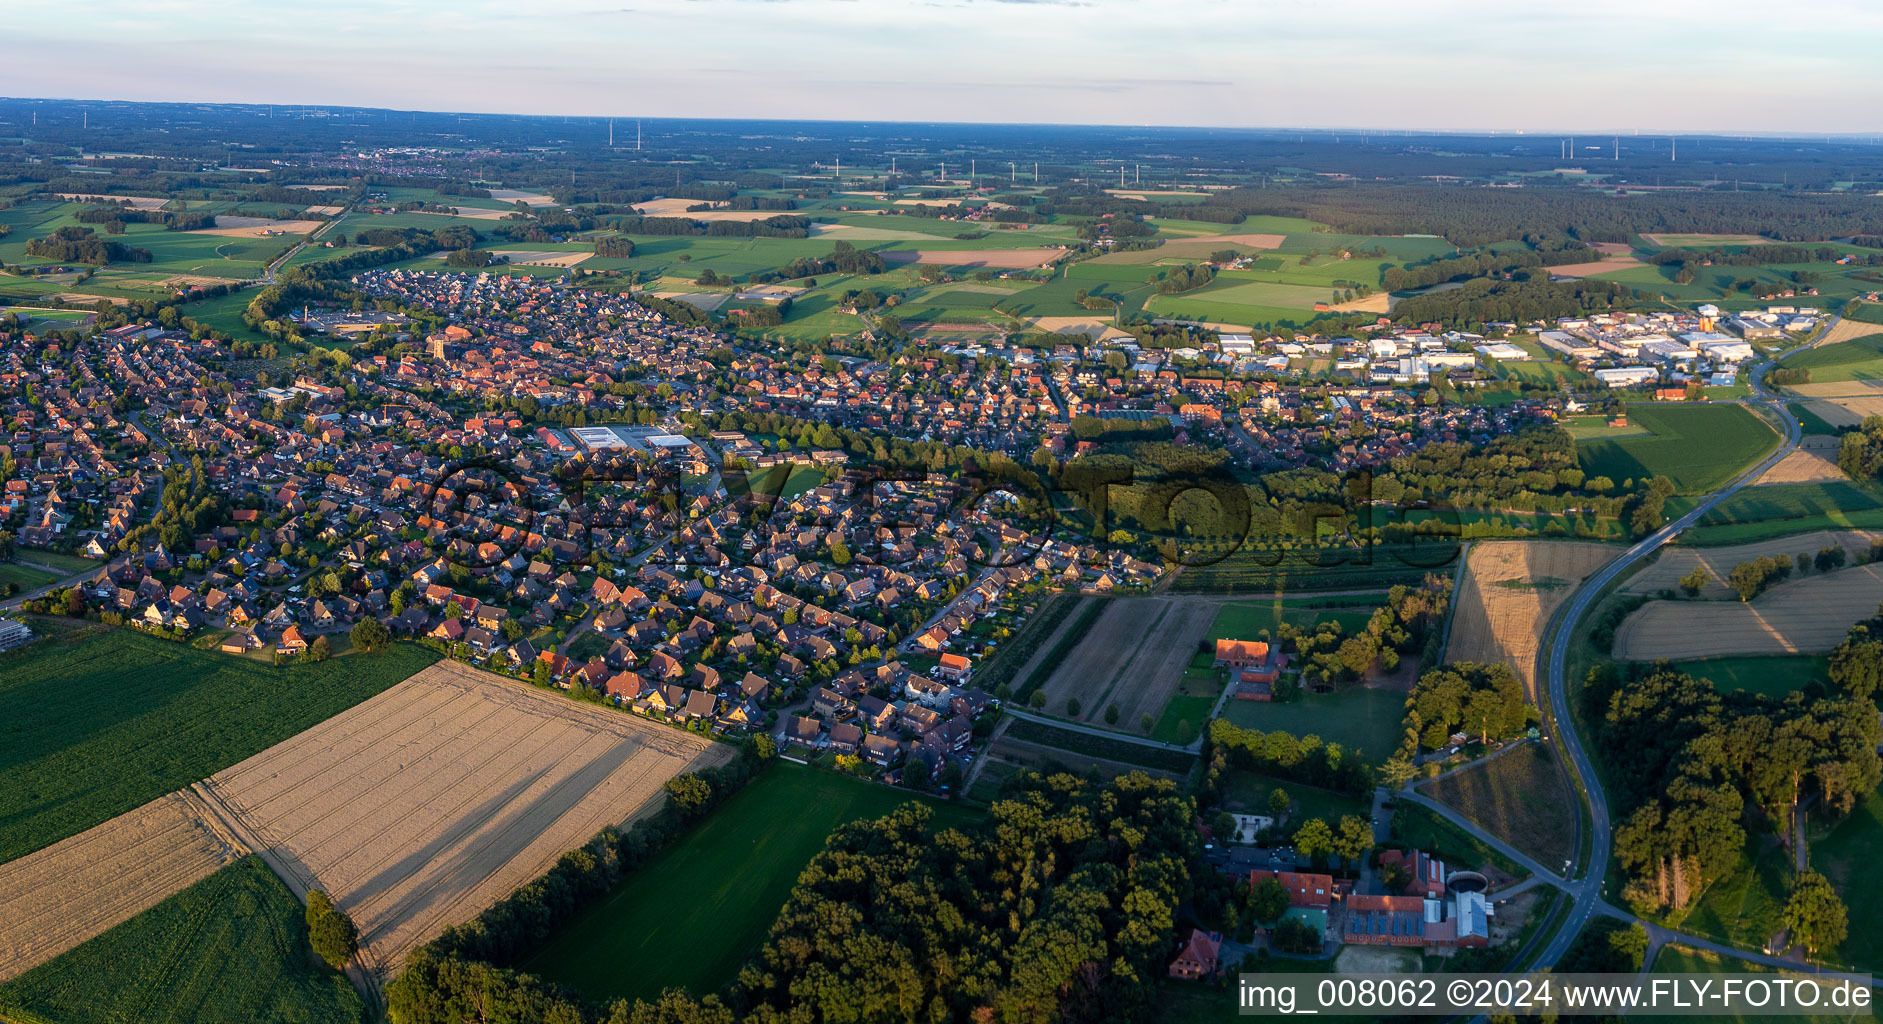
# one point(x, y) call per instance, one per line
point(1282, 755)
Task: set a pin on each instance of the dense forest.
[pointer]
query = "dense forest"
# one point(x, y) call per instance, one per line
point(1694, 770)
point(82, 245)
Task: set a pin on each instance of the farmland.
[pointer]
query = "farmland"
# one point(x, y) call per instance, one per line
point(1509, 590)
point(230, 949)
point(58, 897)
point(1809, 615)
point(412, 814)
point(1674, 562)
point(1698, 447)
point(1517, 796)
point(691, 916)
point(1860, 359)
point(98, 722)
point(1134, 657)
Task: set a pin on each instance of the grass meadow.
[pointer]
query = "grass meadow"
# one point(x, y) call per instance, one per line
point(690, 917)
point(231, 949)
point(1360, 719)
point(98, 721)
point(1698, 447)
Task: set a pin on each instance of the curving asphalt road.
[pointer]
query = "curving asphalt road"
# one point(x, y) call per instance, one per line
point(1586, 886)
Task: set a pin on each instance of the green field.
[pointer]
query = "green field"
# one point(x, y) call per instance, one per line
point(98, 721)
point(26, 577)
point(1698, 447)
point(1847, 856)
point(1358, 718)
point(690, 917)
point(1859, 359)
point(1773, 676)
point(231, 949)
point(1771, 502)
point(1189, 705)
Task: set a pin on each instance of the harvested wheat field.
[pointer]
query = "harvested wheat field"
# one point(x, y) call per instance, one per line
point(1807, 616)
point(1849, 410)
point(326, 211)
point(1677, 561)
point(1837, 389)
point(257, 227)
point(1378, 302)
point(511, 195)
point(1133, 656)
point(1804, 466)
point(1091, 327)
point(1592, 269)
point(73, 890)
point(1613, 248)
point(1010, 259)
point(424, 805)
point(1509, 590)
point(191, 281)
point(678, 208)
point(1847, 330)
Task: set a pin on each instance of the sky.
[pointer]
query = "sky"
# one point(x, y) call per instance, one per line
point(1459, 65)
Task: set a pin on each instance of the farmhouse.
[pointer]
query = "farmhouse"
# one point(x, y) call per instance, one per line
point(1198, 955)
point(1254, 667)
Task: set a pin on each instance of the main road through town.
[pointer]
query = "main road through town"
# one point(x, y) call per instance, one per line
point(1586, 886)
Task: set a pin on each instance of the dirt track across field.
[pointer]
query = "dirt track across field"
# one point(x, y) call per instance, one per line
point(1677, 561)
point(1509, 589)
point(424, 805)
point(78, 888)
point(1805, 616)
point(1134, 656)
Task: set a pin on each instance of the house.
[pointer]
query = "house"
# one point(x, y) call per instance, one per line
point(881, 750)
point(828, 703)
point(845, 737)
point(1197, 955)
point(954, 668)
point(803, 731)
point(918, 719)
point(699, 704)
point(1307, 890)
point(291, 642)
